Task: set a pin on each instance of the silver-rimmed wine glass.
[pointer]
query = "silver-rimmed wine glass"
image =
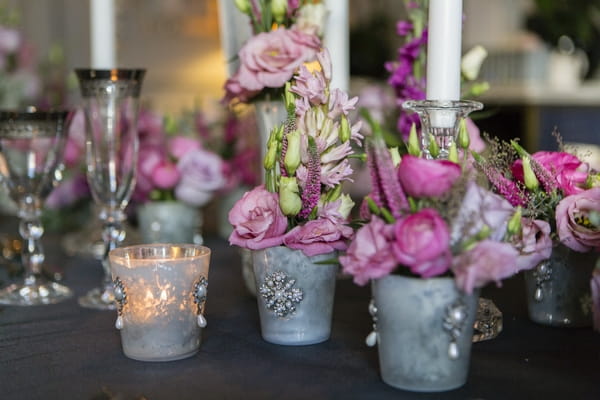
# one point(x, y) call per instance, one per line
point(111, 105)
point(31, 148)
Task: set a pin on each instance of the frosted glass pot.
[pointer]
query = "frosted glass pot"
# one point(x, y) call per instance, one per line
point(424, 330)
point(294, 295)
point(558, 289)
point(161, 291)
point(111, 105)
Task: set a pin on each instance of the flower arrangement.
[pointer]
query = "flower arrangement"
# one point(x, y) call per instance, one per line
point(558, 193)
point(427, 218)
point(286, 35)
point(173, 164)
point(301, 204)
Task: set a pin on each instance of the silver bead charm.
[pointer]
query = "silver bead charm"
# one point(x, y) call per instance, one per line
point(542, 274)
point(201, 321)
point(121, 299)
point(279, 294)
point(199, 295)
point(371, 339)
point(454, 322)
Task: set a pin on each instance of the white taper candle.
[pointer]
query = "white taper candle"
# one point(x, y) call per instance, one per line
point(102, 34)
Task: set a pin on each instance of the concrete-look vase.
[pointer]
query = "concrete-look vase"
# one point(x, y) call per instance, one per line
point(424, 329)
point(295, 295)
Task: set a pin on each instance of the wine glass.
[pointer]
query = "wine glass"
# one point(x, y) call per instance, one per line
point(31, 149)
point(111, 105)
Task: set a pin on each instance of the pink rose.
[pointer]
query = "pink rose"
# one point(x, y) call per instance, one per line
point(568, 170)
point(488, 261)
point(270, 59)
point(201, 175)
point(319, 236)
point(180, 145)
point(422, 243)
point(257, 220)
point(370, 254)
point(572, 221)
point(148, 159)
point(165, 175)
point(421, 177)
point(535, 244)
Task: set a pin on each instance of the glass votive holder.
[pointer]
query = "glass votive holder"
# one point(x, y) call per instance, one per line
point(160, 291)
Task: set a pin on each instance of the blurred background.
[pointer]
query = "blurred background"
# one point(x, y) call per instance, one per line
point(542, 65)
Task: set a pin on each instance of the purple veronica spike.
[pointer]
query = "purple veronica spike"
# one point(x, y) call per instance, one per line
point(376, 192)
point(394, 195)
point(312, 190)
point(284, 144)
point(544, 176)
point(505, 187)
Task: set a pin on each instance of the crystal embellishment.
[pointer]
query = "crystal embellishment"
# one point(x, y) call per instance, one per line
point(200, 291)
point(542, 274)
point(279, 294)
point(121, 299)
point(371, 339)
point(454, 323)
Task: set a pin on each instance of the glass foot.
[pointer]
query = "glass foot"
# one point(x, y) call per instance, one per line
point(488, 322)
point(36, 294)
point(99, 299)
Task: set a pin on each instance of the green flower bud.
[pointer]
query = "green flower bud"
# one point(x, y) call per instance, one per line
point(453, 153)
point(334, 194)
point(345, 132)
point(395, 156)
point(293, 152)
point(414, 149)
point(289, 198)
point(463, 135)
point(271, 156)
point(434, 149)
point(531, 181)
point(171, 126)
point(290, 99)
point(244, 6)
point(514, 224)
point(346, 206)
point(278, 9)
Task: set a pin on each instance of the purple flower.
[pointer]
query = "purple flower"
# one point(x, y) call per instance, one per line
point(180, 145)
point(535, 244)
point(572, 221)
point(340, 104)
point(310, 86)
point(487, 262)
point(165, 175)
point(68, 192)
point(422, 243)
point(201, 175)
point(257, 220)
point(318, 236)
point(370, 254)
point(403, 28)
point(421, 177)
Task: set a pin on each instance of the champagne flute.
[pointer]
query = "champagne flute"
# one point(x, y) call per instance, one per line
point(111, 105)
point(31, 149)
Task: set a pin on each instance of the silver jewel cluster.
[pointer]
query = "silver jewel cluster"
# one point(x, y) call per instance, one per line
point(279, 294)
point(542, 274)
point(121, 299)
point(454, 323)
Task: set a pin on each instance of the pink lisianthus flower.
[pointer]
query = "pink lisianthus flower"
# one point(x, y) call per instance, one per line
point(257, 220)
point(149, 158)
point(150, 128)
point(421, 177)
point(488, 261)
point(269, 60)
point(370, 254)
point(319, 236)
point(535, 244)
point(201, 176)
point(572, 221)
point(180, 145)
point(422, 243)
point(310, 87)
point(569, 171)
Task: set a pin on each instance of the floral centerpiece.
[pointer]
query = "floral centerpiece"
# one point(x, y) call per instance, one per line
point(559, 195)
point(300, 215)
point(433, 234)
point(286, 35)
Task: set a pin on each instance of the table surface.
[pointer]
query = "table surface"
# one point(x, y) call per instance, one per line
point(64, 351)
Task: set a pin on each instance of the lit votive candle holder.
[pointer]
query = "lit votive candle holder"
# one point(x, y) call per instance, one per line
point(160, 291)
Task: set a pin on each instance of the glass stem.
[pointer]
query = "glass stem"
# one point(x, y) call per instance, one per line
point(112, 235)
point(32, 255)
